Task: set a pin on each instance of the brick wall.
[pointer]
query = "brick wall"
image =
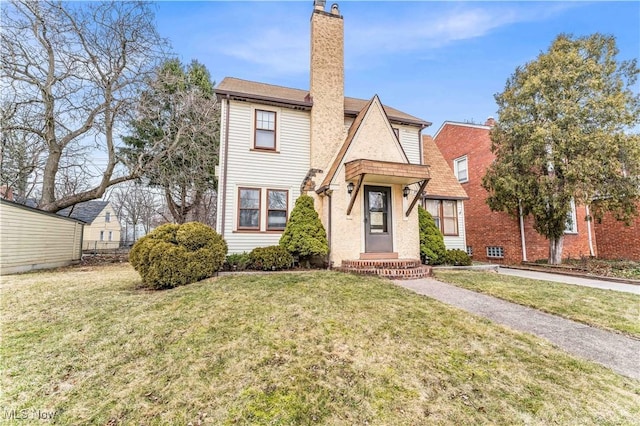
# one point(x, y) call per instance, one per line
point(487, 228)
point(617, 240)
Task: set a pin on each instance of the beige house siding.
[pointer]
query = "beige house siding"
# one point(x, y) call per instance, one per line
point(284, 169)
point(34, 240)
point(92, 241)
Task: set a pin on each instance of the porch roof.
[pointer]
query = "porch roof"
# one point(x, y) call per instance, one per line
point(389, 172)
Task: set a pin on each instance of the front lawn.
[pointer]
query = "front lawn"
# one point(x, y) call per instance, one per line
point(607, 309)
point(291, 348)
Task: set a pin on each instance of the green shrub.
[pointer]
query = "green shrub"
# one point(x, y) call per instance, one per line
point(237, 261)
point(457, 257)
point(174, 255)
point(304, 236)
point(270, 258)
point(432, 249)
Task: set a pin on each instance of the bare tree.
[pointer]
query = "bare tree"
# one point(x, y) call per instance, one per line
point(135, 204)
point(71, 74)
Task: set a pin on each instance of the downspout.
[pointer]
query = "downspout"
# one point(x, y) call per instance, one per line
point(224, 168)
point(420, 146)
point(524, 244)
point(589, 231)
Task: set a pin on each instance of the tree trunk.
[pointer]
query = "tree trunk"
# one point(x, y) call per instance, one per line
point(555, 251)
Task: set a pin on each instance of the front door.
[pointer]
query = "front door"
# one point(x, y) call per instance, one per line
point(377, 219)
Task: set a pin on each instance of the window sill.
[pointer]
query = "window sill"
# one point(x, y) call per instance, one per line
point(265, 150)
point(256, 231)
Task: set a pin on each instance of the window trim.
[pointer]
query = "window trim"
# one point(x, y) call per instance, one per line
point(456, 170)
point(286, 210)
point(249, 228)
point(107, 217)
point(441, 217)
point(255, 130)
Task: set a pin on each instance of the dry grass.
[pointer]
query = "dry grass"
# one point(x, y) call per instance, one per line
point(303, 348)
point(606, 309)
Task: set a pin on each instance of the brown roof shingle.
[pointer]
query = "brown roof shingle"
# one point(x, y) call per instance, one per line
point(236, 87)
point(443, 183)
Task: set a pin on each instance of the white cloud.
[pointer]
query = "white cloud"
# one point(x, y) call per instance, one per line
point(280, 45)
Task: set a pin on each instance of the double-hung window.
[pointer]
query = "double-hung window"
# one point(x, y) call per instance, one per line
point(277, 209)
point(249, 211)
point(107, 217)
point(460, 168)
point(265, 130)
point(445, 215)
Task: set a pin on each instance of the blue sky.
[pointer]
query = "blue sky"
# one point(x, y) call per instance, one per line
point(435, 60)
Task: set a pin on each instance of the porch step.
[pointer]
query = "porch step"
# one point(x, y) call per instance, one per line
point(388, 268)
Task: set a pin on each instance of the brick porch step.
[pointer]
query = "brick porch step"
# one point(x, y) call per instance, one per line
point(388, 268)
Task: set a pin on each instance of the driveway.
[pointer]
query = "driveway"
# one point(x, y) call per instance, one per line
point(618, 352)
point(568, 279)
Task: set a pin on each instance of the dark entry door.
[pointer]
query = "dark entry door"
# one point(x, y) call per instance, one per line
point(377, 219)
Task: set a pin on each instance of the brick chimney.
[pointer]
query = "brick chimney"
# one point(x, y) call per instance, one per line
point(327, 84)
point(490, 122)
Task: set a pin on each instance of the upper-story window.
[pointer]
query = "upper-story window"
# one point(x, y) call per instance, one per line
point(460, 168)
point(265, 137)
point(107, 217)
point(396, 132)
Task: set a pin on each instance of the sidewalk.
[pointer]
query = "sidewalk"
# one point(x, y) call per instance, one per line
point(569, 279)
point(615, 351)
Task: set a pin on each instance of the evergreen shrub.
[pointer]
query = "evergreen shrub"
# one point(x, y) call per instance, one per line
point(304, 236)
point(174, 255)
point(457, 257)
point(270, 258)
point(432, 248)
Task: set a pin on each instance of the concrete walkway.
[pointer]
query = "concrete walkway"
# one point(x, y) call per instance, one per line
point(568, 279)
point(620, 353)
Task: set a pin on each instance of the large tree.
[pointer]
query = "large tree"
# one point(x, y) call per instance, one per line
point(566, 133)
point(179, 115)
point(71, 73)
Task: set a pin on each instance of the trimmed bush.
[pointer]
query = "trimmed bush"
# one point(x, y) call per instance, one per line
point(237, 261)
point(457, 257)
point(270, 258)
point(304, 236)
point(174, 255)
point(432, 248)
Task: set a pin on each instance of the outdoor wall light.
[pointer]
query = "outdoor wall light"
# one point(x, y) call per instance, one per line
point(350, 188)
point(405, 191)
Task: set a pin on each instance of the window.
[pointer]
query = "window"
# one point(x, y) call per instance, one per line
point(277, 209)
point(265, 136)
point(110, 235)
point(101, 235)
point(571, 226)
point(445, 215)
point(396, 131)
point(249, 211)
point(107, 217)
point(495, 252)
point(460, 169)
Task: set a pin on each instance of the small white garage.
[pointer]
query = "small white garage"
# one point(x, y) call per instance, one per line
point(34, 239)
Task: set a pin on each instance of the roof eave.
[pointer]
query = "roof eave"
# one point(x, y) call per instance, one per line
point(289, 103)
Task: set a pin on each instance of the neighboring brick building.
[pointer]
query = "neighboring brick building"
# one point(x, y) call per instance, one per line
point(496, 236)
point(617, 240)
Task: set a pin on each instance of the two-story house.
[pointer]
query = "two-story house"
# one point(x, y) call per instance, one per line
point(496, 236)
point(102, 229)
point(360, 160)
